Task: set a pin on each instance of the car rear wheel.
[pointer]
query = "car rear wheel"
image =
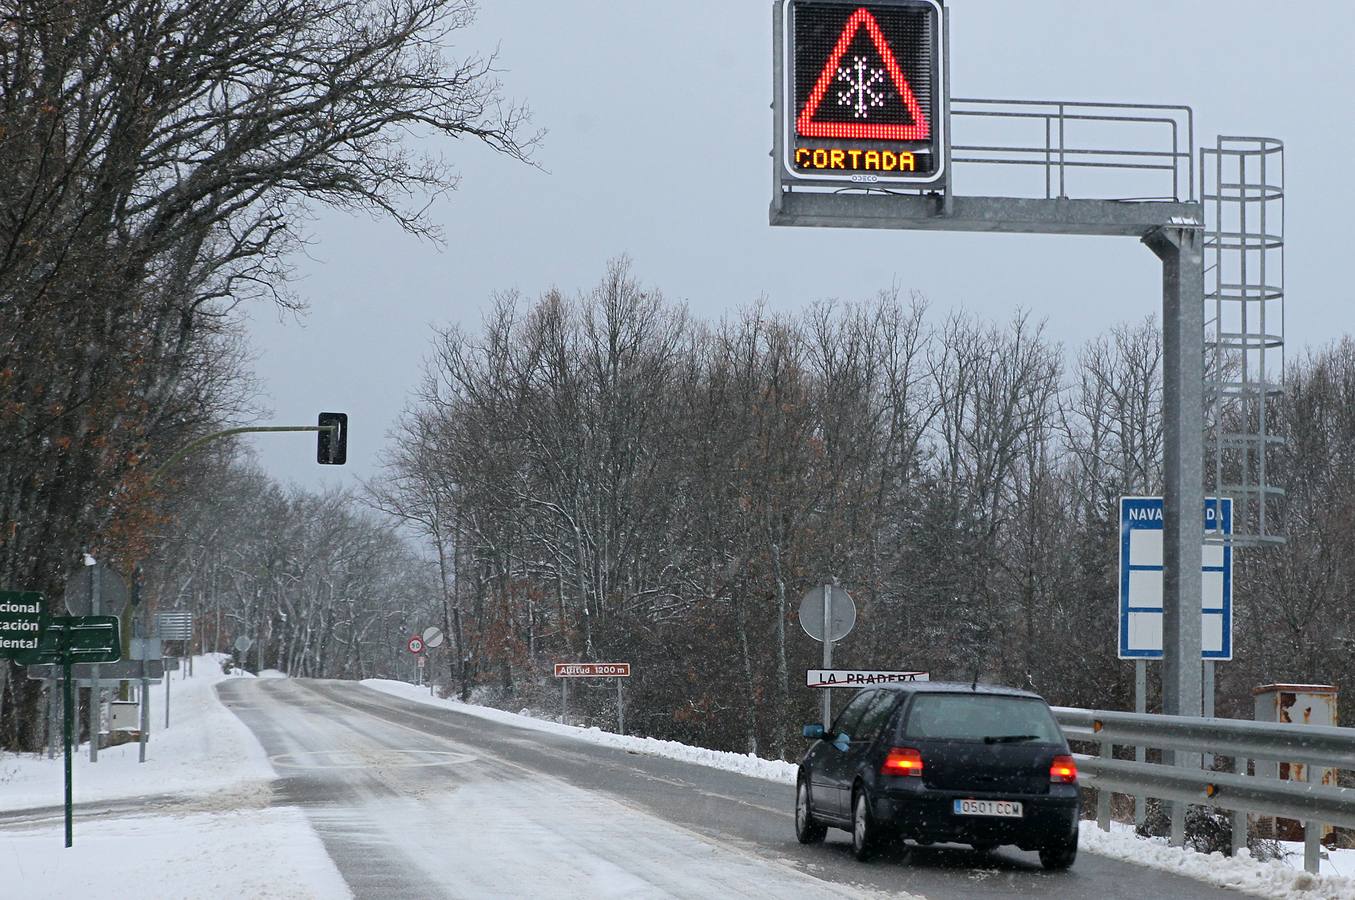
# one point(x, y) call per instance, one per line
point(1059, 855)
point(864, 837)
point(807, 829)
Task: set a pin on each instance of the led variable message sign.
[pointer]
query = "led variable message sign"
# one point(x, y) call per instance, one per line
point(863, 93)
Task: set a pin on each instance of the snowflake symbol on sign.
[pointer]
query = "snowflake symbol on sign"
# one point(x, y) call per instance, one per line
point(859, 94)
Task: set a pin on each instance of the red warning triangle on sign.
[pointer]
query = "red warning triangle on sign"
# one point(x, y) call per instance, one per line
point(805, 123)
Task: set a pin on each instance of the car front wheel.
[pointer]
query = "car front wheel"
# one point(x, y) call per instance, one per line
point(807, 829)
point(864, 837)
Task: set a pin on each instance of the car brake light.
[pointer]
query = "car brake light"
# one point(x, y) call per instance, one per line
point(902, 761)
point(1063, 770)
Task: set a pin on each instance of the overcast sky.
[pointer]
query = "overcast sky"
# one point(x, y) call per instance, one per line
point(659, 131)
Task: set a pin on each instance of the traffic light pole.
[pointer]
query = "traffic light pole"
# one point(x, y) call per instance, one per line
point(249, 429)
point(332, 430)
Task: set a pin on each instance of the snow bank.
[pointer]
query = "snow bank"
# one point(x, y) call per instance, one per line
point(205, 750)
point(743, 763)
point(217, 837)
point(265, 853)
point(1273, 879)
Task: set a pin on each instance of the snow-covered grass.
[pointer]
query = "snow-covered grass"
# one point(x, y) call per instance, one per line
point(206, 750)
point(192, 846)
point(1283, 880)
point(266, 853)
point(1276, 879)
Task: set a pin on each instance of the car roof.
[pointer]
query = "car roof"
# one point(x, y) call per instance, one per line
point(954, 687)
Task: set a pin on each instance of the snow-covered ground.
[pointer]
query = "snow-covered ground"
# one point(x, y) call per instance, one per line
point(211, 779)
point(1283, 880)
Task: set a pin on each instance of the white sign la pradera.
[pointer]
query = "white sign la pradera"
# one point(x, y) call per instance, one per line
point(857, 678)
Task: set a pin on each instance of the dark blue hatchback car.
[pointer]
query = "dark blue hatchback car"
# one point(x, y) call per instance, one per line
point(932, 761)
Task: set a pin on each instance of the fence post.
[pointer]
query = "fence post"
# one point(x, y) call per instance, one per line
point(1239, 815)
point(1312, 833)
point(1103, 794)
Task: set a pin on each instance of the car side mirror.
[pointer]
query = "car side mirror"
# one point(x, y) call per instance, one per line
point(813, 732)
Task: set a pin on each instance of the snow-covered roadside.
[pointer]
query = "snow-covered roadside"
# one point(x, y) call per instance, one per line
point(205, 750)
point(744, 763)
point(1271, 879)
point(225, 841)
point(1274, 879)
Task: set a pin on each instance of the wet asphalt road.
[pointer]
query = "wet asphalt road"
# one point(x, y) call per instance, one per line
point(417, 801)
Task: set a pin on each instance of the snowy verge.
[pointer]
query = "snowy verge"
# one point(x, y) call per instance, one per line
point(1267, 879)
point(743, 763)
point(266, 854)
point(206, 750)
point(214, 778)
point(1270, 879)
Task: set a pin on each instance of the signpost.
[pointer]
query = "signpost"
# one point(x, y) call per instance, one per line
point(31, 637)
point(828, 614)
point(110, 674)
point(1141, 588)
point(432, 638)
point(858, 678)
point(619, 670)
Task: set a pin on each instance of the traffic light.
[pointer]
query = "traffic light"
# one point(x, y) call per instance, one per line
point(331, 446)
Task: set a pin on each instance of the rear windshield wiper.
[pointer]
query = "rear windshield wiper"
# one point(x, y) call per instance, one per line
point(1010, 738)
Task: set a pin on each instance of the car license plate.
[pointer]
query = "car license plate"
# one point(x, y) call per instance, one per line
point(1007, 809)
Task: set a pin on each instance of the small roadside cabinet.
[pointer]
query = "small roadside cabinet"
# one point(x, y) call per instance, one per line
point(1300, 704)
point(124, 715)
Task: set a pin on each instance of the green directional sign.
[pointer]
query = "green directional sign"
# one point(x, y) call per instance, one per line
point(75, 639)
point(21, 622)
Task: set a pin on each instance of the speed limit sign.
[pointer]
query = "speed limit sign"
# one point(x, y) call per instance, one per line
point(415, 644)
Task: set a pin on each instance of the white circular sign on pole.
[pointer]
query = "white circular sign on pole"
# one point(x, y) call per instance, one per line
point(243, 643)
point(843, 613)
point(432, 637)
point(415, 644)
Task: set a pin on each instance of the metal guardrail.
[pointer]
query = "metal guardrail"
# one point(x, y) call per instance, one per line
point(1313, 804)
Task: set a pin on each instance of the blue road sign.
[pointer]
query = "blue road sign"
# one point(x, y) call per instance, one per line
point(1141, 580)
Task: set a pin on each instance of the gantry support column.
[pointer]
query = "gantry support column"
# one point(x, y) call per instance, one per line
point(1181, 250)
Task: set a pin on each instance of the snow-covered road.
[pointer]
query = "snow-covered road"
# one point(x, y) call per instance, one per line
point(410, 800)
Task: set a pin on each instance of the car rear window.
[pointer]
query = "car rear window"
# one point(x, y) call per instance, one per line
point(974, 717)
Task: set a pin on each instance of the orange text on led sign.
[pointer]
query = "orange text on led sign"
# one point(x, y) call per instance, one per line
point(854, 160)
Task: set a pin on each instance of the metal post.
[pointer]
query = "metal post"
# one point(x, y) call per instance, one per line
point(620, 709)
point(1140, 751)
point(95, 608)
point(827, 653)
point(53, 725)
point(1103, 794)
point(1239, 815)
point(145, 713)
point(564, 701)
point(1207, 681)
point(69, 726)
point(169, 676)
point(1312, 833)
point(1180, 249)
